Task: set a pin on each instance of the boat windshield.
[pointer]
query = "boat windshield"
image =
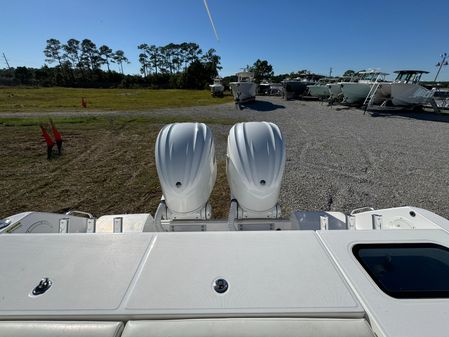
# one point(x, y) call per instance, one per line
point(408, 77)
point(370, 76)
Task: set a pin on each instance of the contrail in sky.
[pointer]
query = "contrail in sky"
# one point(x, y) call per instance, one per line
point(211, 20)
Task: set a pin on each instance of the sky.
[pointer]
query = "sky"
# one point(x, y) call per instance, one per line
point(290, 34)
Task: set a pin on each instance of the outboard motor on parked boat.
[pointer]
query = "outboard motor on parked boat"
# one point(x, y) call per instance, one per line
point(255, 166)
point(186, 166)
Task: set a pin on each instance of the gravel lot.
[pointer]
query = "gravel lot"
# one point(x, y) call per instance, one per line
point(339, 158)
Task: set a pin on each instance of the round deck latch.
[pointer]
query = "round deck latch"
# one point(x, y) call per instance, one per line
point(221, 285)
point(42, 287)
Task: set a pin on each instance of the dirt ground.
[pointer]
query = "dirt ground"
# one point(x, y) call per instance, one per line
point(107, 167)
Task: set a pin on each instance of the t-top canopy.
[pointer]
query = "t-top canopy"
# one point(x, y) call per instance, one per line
point(372, 72)
point(411, 72)
point(245, 74)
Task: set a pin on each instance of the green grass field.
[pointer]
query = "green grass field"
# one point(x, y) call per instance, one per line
point(107, 164)
point(69, 99)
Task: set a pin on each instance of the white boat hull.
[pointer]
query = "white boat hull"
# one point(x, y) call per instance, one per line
point(216, 89)
point(334, 89)
point(321, 91)
point(243, 91)
point(384, 91)
point(409, 94)
point(356, 92)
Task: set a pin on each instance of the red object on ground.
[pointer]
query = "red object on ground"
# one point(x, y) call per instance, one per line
point(47, 137)
point(56, 133)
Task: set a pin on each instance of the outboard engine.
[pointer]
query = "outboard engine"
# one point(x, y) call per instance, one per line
point(255, 166)
point(186, 166)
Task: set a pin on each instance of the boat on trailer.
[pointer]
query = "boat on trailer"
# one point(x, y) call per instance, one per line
point(296, 88)
point(244, 90)
point(441, 97)
point(356, 92)
point(406, 90)
point(320, 89)
point(217, 88)
point(368, 273)
point(335, 87)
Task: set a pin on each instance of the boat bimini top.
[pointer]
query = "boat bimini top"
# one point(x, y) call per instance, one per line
point(314, 273)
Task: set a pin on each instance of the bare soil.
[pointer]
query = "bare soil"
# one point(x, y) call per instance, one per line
point(107, 166)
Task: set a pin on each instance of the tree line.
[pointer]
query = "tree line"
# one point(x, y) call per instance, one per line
point(83, 64)
point(83, 56)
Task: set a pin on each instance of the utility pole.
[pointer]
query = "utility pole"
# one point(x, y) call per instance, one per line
point(440, 64)
point(6, 60)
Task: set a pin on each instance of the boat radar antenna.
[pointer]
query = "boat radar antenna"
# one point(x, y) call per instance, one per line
point(211, 20)
point(440, 64)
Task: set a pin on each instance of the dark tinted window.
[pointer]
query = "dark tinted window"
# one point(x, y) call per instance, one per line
point(407, 270)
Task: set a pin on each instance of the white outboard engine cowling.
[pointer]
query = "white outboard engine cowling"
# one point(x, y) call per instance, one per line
point(255, 166)
point(186, 166)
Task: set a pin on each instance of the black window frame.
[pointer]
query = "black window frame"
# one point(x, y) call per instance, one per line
point(437, 294)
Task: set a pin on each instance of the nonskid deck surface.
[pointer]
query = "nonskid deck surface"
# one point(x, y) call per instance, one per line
point(137, 277)
point(173, 274)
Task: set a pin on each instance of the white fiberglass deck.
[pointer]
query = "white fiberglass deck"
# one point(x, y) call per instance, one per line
point(110, 276)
